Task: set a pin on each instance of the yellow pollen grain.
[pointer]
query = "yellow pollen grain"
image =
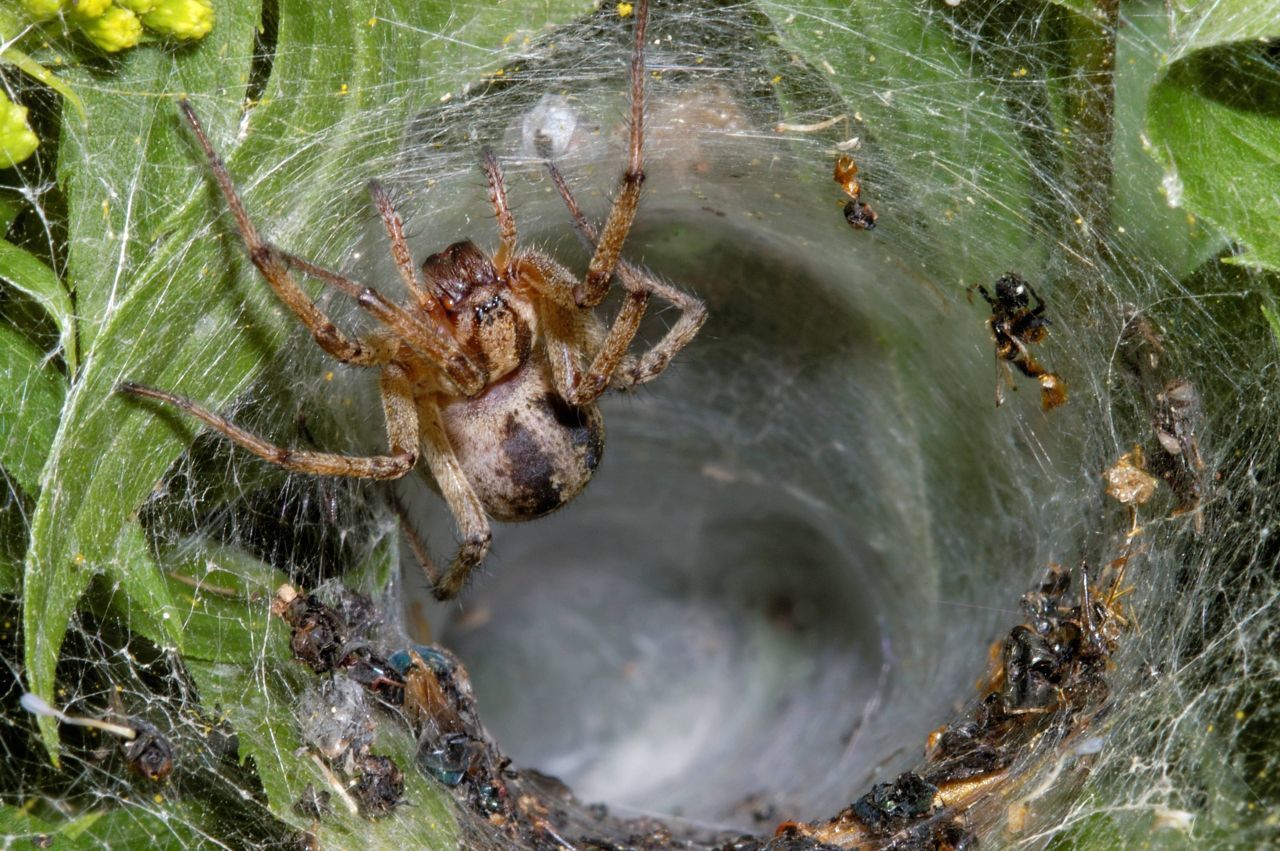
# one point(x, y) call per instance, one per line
point(328, 376)
point(79, 559)
point(373, 21)
point(1021, 72)
point(777, 78)
point(625, 10)
point(342, 90)
point(1239, 714)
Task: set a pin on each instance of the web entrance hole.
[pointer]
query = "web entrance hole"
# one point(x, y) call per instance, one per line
point(781, 578)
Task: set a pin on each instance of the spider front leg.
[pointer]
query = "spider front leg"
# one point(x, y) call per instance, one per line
point(611, 366)
point(402, 434)
point(431, 336)
point(595, 286)
point(502, 211)
point(272, 264)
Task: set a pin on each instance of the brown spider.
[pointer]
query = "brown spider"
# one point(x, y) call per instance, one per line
point(482, 372)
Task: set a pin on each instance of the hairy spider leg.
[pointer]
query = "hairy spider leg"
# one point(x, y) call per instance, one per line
point(502, 210)
point(402, 434)
point(437, 345)
point(269, 263)
point(617, 225)
point(636, 281)
point(410, 272)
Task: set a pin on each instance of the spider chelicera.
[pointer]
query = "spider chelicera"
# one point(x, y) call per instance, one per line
point(491, 371)
point(1015, 325)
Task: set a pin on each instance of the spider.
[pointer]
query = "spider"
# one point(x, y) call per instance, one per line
point(1015, 325)
point(492, 369)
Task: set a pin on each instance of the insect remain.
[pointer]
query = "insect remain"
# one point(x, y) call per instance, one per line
point(1015, 325)
point(857, 212)
point(492, 369)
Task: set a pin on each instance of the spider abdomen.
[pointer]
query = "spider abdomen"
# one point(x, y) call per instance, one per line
point(525, 450)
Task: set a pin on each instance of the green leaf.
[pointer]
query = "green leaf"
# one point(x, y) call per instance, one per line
point(121, 827)
point(10, 205)
point(31, 396)
point(1203, 25)
point(145, 587)
point(1214, 124)
point(1085, 8)
point(77, 526)
point(25, 273)
point(258, 703)
point(125, 170)
point(1273, 320)
point(1145, 223)
point(222, 599)
point(178, 307)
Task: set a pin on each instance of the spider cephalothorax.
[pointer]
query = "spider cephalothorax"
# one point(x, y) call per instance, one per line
point(490, 372)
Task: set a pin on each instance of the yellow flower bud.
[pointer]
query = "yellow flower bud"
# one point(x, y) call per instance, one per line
point(185, 19)
point(17, 141)
point(42, 10)
point(115, 30)
point(85, 9)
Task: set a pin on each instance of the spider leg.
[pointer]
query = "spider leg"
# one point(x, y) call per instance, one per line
point(595, 286)
point(462, 501)
point(604, 370)
point(402, 434)
point(416, 545)
point(502, 210)
point(432, 340)
point(1039, 308)
point(270, 263)
point(410, 274)
point(1001, 377)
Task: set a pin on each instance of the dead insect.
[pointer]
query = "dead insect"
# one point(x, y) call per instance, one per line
point(313, 803)
point(375, 674)
point(379, 784)
point(146, 750)
point(1015, 325)
point(1031, 671)
point(856, 212)
point(150, 753)
point(1175, 414)
point(888, 805)
point(491, 373)
point(1129, 483)
point(1177, 419)
point(319, 632)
